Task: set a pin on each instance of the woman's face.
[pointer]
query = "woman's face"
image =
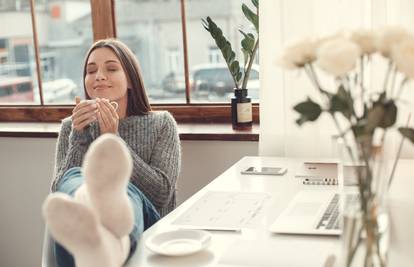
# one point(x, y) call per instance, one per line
point(105, 77)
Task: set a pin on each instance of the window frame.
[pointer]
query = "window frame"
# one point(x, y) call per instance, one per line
point(102, 27)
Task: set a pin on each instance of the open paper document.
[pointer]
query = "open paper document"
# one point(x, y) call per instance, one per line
point(224, 211)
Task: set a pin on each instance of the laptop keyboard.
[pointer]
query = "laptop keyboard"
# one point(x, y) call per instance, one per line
point(330, 218)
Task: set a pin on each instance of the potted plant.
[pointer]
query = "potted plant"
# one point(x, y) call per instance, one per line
point(241, 104)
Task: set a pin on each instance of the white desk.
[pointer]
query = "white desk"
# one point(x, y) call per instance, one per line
point(282, 189)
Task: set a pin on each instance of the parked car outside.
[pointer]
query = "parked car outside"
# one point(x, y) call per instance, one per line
point(174, 82)
point(211, 81)
point(216, 79)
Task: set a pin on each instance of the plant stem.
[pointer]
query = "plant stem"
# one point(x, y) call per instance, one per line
point(394, 74)
point(361, 79)
point(352, 254)
point(249, 66)
point(401, 87)
point(312, 70)
point(397, 157)
point(387, 75)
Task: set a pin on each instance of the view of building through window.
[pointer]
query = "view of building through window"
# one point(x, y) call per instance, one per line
point(64, 35)
point(152, 29)
point(17, 65)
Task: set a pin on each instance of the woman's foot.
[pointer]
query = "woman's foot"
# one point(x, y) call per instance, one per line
point(107, 168)
point(76, 227)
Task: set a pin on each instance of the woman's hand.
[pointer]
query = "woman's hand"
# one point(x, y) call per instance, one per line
point(107, 117)
point(83, 114)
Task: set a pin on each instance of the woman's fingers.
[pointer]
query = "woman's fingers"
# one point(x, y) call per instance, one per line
point(83, 108)
point(85, 116)
point(102, 124)
point(84, 113)
point(86, 122)
point(106, 115)
point(77, 100)
point(108, 120)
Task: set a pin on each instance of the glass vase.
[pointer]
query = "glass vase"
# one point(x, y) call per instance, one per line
point(365, 172)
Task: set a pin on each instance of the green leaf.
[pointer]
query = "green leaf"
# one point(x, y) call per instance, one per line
point(232, 56)
point(407, 132)
point(341, 102)
point(374, 117)
point(248, 43)
point(205, 24)
point(234, 68)
point(251, 16)
point(390, 114)
point(221, 42)
point(242, 32)
point(246, 57)
point(255, 3)
point(308, 110)
point(239, 76)
point(359, 129)
point(382, 114)
point(227, 52)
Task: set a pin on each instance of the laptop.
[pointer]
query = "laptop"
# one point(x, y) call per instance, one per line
point(312, 212)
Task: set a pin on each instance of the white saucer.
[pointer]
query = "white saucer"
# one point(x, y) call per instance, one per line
point(178, 242)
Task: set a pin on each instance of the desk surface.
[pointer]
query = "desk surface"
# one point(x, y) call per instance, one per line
point(282, 189)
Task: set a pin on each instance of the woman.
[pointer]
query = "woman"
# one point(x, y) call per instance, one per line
point(144, 147)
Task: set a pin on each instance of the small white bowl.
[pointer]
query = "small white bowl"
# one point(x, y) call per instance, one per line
point(178, 242)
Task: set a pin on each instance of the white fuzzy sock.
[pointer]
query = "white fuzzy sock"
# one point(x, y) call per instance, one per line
point(76, 227)
point(107, 168)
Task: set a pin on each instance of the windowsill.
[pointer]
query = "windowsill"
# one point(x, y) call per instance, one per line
point(188, 131)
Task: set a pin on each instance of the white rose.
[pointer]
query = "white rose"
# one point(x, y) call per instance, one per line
point(366, 40)
point(403, 56)
point(338, 56)
point(299, 54)
point(388, 37)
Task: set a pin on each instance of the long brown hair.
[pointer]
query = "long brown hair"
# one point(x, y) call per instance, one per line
point(138, 103)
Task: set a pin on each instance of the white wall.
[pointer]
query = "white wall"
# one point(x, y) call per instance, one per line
point(285, 21)
point(26, 166)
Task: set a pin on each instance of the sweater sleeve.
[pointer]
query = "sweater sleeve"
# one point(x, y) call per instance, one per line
point(157, 179)
point(70, 149)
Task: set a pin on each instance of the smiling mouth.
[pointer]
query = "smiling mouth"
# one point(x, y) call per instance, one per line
point(101, 87)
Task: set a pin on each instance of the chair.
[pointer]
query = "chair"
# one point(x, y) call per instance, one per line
point(48, 256)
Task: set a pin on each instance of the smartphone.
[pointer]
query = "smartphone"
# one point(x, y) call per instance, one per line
point(265, 170)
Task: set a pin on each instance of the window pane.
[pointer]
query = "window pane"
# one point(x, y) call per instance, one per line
point(65, 33)
point(17, 66)
point(152, 29)
point(209, 76)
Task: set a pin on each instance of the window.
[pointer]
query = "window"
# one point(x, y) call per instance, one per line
point(170, 46)
point(214, 55)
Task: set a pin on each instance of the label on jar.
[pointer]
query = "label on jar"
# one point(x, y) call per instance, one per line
point(244, 112)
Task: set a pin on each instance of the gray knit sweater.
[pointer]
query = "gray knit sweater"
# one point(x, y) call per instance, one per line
point(154, 145)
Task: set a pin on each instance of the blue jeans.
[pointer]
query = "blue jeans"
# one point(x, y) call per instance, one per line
point(145, 213)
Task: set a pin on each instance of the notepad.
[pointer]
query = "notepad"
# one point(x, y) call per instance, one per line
point(217, 210)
